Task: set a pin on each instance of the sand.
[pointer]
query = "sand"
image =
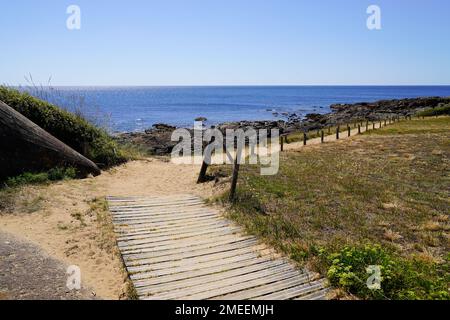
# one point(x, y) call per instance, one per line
point(58, 218)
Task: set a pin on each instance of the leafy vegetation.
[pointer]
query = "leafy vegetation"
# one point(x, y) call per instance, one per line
point(401, 279)
point(438, 111)
point(54, 174)
point(74, 130)
point(381, 198)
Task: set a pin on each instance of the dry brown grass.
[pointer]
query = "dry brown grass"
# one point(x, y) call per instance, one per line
point(389, 187)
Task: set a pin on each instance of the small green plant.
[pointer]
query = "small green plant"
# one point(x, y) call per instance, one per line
point(400, 278)
point(55, 174)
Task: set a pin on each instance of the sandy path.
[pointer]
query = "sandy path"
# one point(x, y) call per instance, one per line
point(59, 218)
point(64, 226)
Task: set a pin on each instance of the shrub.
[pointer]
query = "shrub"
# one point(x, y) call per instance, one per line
point(400, 278)
point(54, 174)
point(438, 111)
point(92, 142)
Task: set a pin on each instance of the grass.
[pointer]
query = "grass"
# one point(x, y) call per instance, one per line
point(438, 111)
point(331, 130)
point(10, 188)
point(107, 238)
point(55, 174)
point(72, 129)
point(381, 198)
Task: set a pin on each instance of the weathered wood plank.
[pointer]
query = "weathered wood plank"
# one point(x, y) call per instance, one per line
point(177, 248)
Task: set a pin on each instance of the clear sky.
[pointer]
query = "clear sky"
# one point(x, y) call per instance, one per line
point(225, 42)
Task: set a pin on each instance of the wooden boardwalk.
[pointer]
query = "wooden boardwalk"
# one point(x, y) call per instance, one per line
point(177, 248)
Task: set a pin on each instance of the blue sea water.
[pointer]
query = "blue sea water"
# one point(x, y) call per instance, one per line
point(138, 108)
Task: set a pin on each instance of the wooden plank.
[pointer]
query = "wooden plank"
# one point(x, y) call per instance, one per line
point(136, 244)
point(149, 289)
point(249, 263)
point(183, 229)
point(149, 198)
point(179, 261)
point(165, 217)
point(143, 221)
point(207, 290)
point(185, 254)
point(220, 288)
point(297, 280)
point(318, 295)
point(295, 291)
point(124, 228)
point(177, 248)
point(143, 205)
point(201, 265)
point(128, 240)
point(210, 240)
point(215, 245)
point(226, 264)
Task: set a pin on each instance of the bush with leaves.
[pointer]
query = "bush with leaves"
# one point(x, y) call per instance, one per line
point(400, 278)
point(92, 142)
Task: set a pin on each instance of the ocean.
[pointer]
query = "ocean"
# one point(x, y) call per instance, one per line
point(126, 109)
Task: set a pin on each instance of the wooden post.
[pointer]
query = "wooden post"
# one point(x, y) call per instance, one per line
point(202, 176)
point(349, 131)
point(329, 130)
point(206, 161)
point(235, 174)
point(359, 129)
point(305, 138)
point(337, 133)
point(281, 144)
point(385, 122)
point(322, 137)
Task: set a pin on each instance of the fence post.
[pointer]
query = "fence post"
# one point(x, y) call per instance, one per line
point(385, 122)
point(206, 161)
point(305, 138)
point(235, 174)
point(329, 130)
point(322, 137)
point(281, 144)
point(349, 131)
point(337, 132)
point(359, 128)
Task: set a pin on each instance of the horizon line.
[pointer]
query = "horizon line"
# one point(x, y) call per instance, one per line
point(225, 85)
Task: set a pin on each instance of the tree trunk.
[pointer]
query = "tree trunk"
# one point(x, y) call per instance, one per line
point(24, 146)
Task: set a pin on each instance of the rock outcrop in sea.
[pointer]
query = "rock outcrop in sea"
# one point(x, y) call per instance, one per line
point(157, 140)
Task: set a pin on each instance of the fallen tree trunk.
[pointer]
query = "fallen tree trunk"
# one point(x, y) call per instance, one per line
point(24, 146)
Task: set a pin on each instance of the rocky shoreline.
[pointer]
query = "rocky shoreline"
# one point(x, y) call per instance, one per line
point(157, 140)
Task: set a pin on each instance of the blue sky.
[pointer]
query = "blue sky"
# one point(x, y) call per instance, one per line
point(225, 42)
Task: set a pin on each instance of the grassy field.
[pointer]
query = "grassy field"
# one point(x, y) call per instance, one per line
point(382, 198)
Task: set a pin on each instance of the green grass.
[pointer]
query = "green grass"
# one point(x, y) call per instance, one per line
point(388, 188)
point(438, 111)
point(74, 130)
point(54, 174)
